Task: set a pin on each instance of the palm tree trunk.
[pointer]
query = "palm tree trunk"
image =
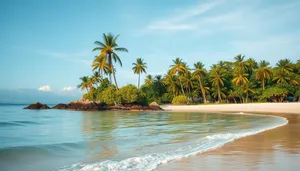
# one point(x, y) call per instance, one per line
point(181, 86)
point(219, 94)
point(234, 99)
point(113, 72)
point(202, 91)
point(247, 97)
point(139, 81)
point(263, 84)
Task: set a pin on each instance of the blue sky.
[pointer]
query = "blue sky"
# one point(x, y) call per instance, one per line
point(50, 42)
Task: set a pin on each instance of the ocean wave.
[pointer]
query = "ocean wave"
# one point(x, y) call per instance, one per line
point(152, 161)
point(17, 123)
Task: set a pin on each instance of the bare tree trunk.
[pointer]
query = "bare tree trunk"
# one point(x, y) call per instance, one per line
point(234, 100)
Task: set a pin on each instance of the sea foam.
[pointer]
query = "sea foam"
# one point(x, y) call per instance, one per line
point(152, 161)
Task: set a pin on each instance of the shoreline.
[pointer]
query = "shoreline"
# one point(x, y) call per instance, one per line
point(255, 151)
point(287, 108)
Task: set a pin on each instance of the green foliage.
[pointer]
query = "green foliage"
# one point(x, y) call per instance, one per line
point(166, 98)
point(129, 94)
point(180, 100)
point(274, 94)
point(110, 96)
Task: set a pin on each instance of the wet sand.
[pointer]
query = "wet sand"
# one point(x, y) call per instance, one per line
point(276, 150)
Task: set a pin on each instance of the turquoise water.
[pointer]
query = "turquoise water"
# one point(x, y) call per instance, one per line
point(75, 140)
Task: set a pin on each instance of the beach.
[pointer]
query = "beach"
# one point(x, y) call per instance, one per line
point(276, 149)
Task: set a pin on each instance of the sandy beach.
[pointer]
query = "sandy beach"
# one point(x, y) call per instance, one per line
point(276, 149)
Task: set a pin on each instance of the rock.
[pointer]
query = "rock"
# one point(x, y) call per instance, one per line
point(60, 106)
point(37, 106)
point(154, 106)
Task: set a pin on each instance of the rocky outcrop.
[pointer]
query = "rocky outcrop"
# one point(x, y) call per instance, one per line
point(86, 105)
point(37, 106)
point(154, 106)
point(60, 106)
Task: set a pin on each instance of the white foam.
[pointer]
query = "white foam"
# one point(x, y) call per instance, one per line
point(152, 161)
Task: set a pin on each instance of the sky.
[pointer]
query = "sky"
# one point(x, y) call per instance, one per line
point(46, 45)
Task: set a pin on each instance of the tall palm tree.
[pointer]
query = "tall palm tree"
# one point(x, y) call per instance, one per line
point(263, 72)
point(138, 68)
point(252, 65)
point(294, 79)
point(85, 83)
point(188, 81)
point(108, 51)
point(149, 79)
point(179, 68)
point(216, 78)
point(199, 73)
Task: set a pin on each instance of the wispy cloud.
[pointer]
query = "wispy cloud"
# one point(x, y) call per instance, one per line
point(45, 88)
point(181, 20)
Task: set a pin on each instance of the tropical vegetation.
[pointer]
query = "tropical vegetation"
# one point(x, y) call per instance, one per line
point(242, 80)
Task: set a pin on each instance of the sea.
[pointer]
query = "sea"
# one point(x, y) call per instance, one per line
point(63, 140)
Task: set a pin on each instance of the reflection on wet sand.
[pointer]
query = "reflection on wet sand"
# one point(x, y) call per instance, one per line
point(277, 149)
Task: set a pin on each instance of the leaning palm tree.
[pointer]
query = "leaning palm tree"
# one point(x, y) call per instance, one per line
point(199, 73)
point(138, 68)
point(179, 68)
point(85, 83)
point(100, 65)
point(263, 72)
point(108, 51)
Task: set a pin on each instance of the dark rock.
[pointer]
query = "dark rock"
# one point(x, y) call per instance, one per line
point(60, 106)
point(154, 106)
point(37, 106)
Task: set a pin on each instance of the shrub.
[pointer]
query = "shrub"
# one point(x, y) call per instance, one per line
point(129, 94)
point(166, 98)
point(109, 96)
point(180, 100)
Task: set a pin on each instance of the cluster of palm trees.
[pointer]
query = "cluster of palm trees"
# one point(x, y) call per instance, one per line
point(226, 81)
point(229, 81)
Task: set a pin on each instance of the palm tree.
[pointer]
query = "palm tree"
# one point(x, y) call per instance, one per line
point(178, 68)
point(85, 83)
point(199, 73)
point(97, 77)
point(240, 64)
point(294, 79)
point(108, 52)
point(188, 81)
point(285, 65)
point(263, 72)
point(240, 79)
point(139, 67)
point(248, 88)
point(216, 78)
point(100, 65)
point(149, 79)
point(281, 76)
point(171, 81)
point(252, 65)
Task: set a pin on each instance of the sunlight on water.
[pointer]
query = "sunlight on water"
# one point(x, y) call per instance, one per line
point(72, 140)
